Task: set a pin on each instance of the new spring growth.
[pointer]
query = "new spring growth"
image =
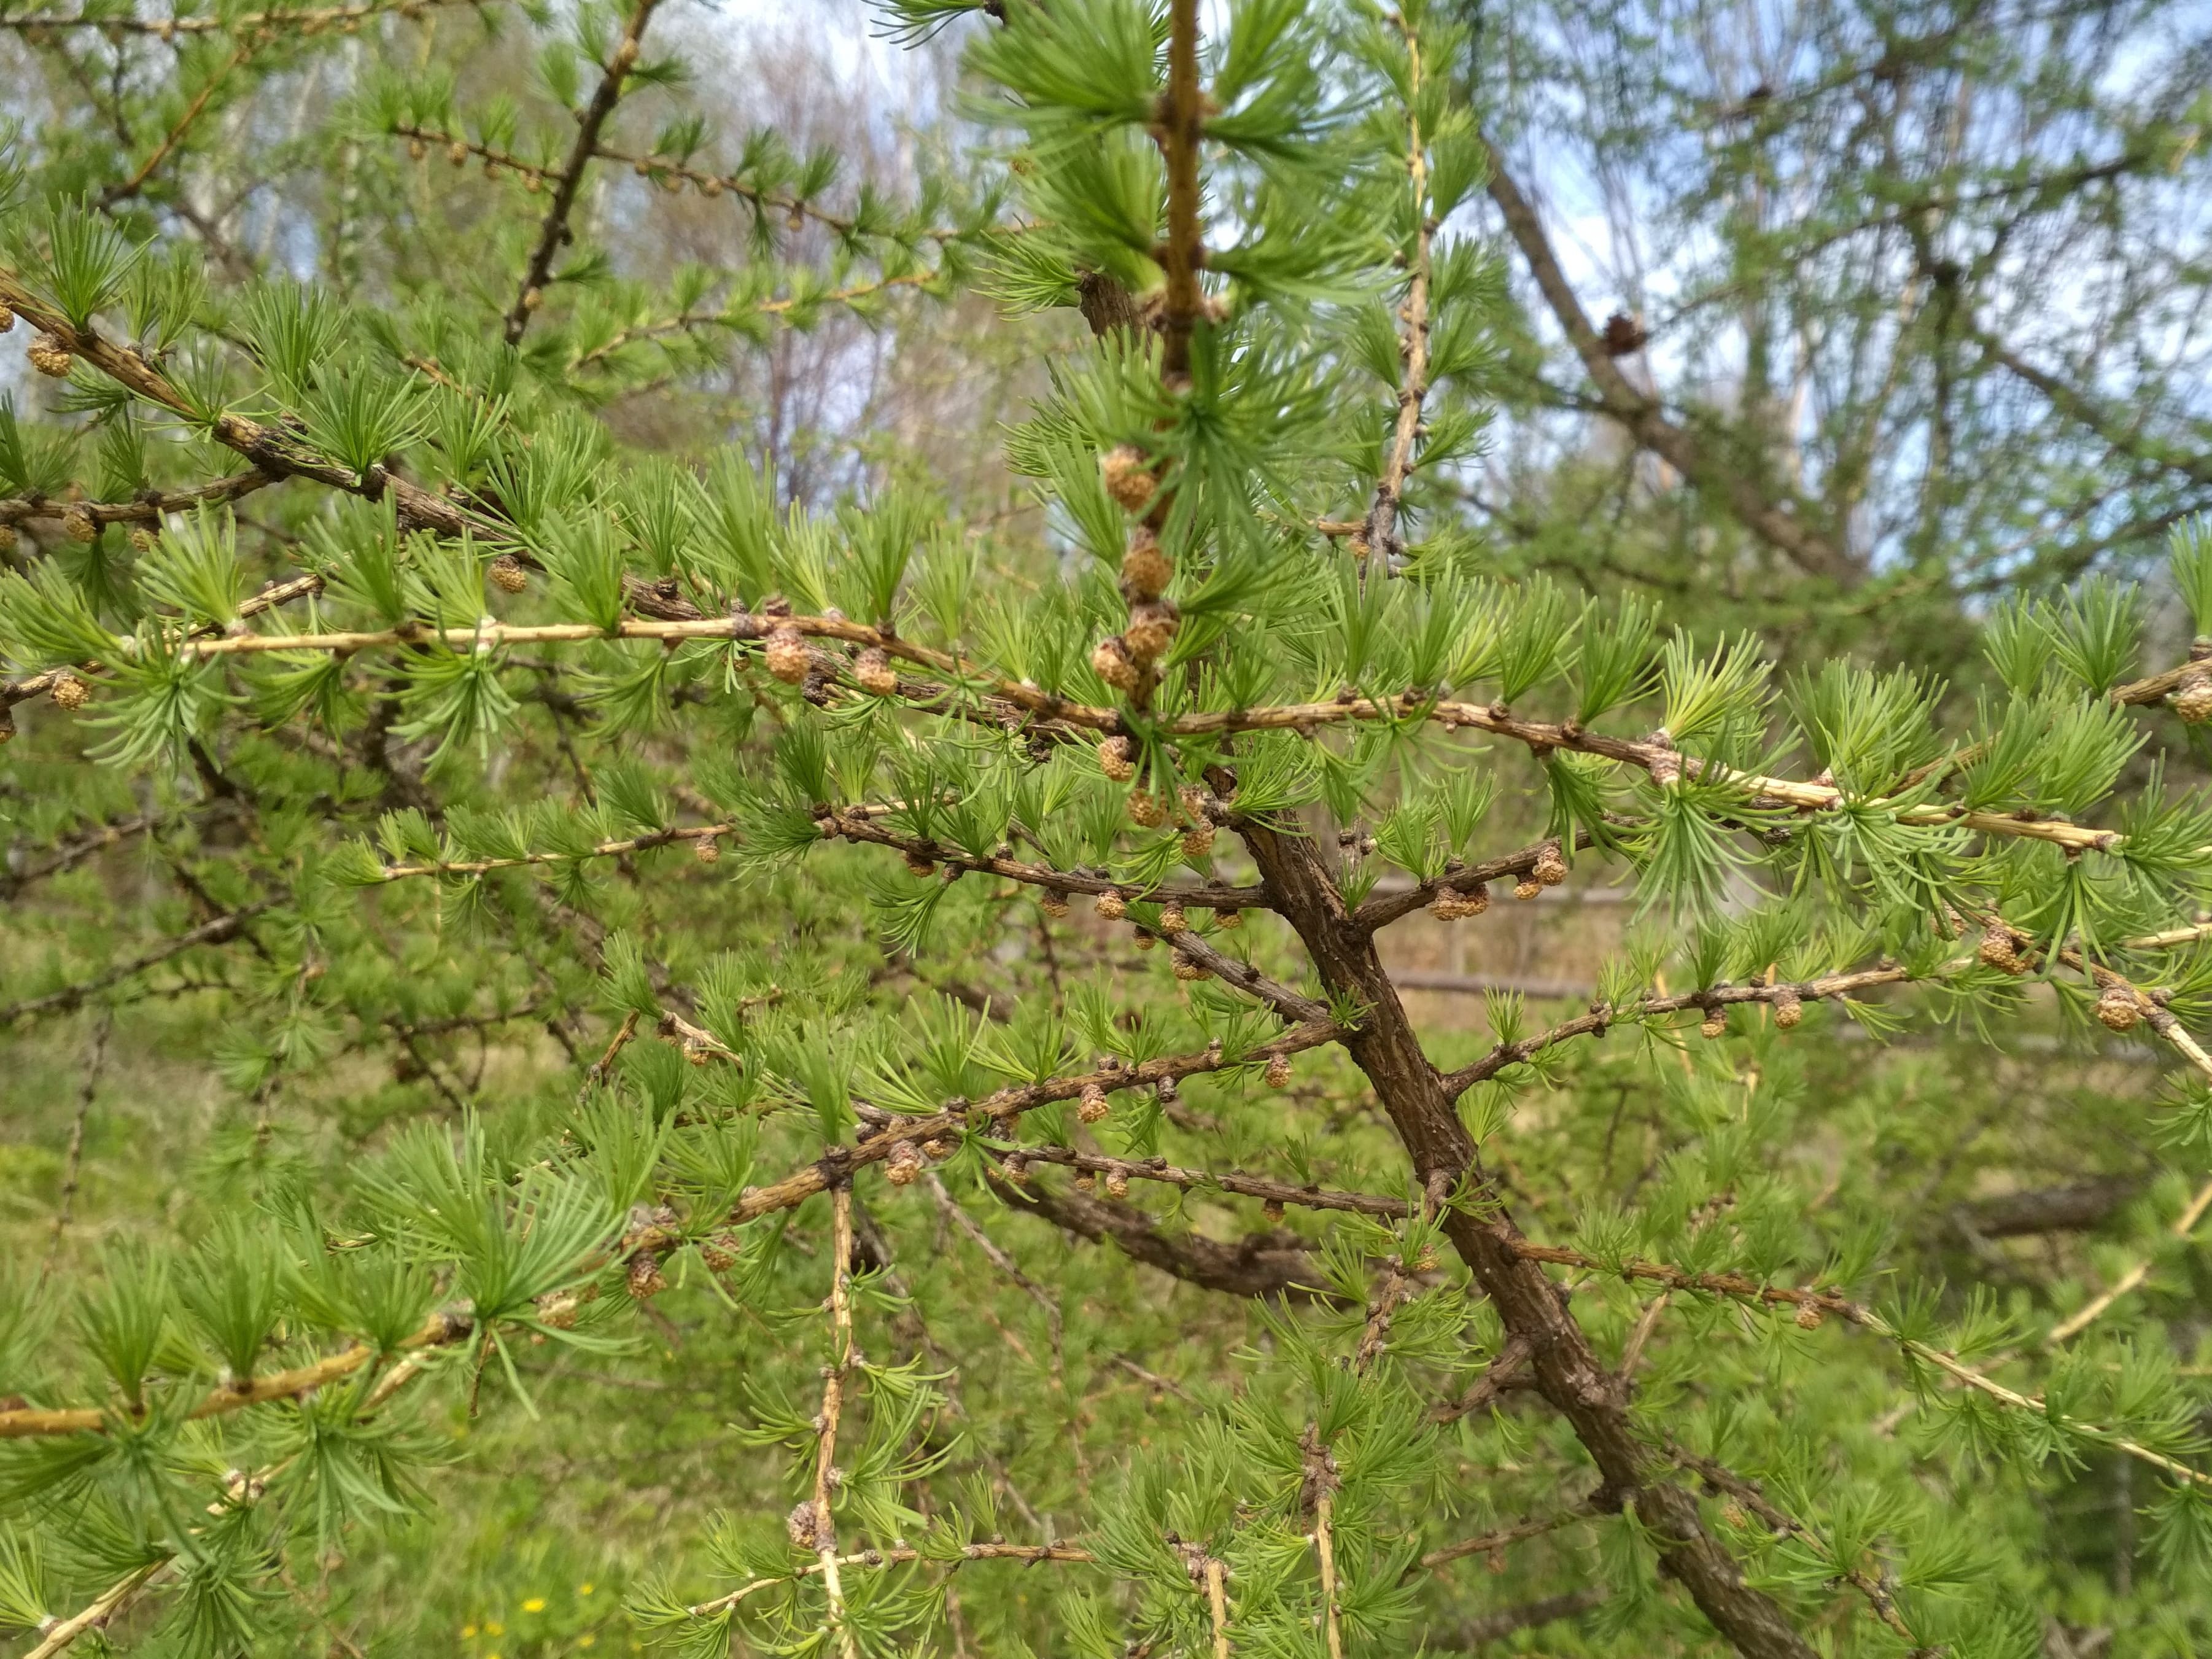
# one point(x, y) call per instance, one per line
point(50, 356)
point(1451, 904)
point(787, 657)
point(872, 670)
point(904, 1166)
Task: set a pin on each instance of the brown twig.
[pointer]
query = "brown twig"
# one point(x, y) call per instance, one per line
point(145, 509)
point(1490, 1542)
point(1717, 998)
point(593, 116)
point(1232, 1180)
point(1642, 416)
point(218, 930)
point(440, 1330)
point(128, 187)
point(95, 1058)
point(1752, 1496)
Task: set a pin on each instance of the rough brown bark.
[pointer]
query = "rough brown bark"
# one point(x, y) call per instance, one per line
point(1567, 1370)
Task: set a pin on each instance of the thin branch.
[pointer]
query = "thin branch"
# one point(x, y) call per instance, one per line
point(110, 1601)
point(1027, 1554)
point(2184, 1225)
point(1490, 1542)
point(2084, 411)
point(72, 1162)
point(1662, 762)
point(440, 1330)
point(1789, 527)
point(844, 823)
point(280, 592)
point(593, 116)
point(1508, 1369)
point(1462, 878)
point(145, 509)
point(1265, 1265)
point(68, 856)
point(1813, 1304)
point(1246, 1186)
point(1876, 1587)
point(952, 1211)
point(1719, 997)
point(318, 21)
point(1489, 1627)
point(833, 1400)
point(661, 169)
point(129, 187)
point(1381, 540)
point(699, 833)
point(781, 306)
point(218, 931)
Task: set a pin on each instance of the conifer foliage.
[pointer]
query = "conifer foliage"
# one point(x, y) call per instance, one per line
point(577, 863)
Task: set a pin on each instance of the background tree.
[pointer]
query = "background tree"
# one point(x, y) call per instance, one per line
point(1909, 298)
point(588, 832)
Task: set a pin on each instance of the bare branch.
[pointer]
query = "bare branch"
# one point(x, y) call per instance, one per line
point(1787, 527)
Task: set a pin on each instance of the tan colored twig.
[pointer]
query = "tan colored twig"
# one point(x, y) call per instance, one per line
point(1814, 1304)
point(440, 1330)
point(833, 1402)
point(1027, 1554)
point(58, 1637)
point(1662, 762)
point(1217, 1602)
point(2184, 1224)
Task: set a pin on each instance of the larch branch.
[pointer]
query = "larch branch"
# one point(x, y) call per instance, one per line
point(554, 231)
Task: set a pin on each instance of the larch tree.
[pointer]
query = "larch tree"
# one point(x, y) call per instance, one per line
point(853, 1050)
